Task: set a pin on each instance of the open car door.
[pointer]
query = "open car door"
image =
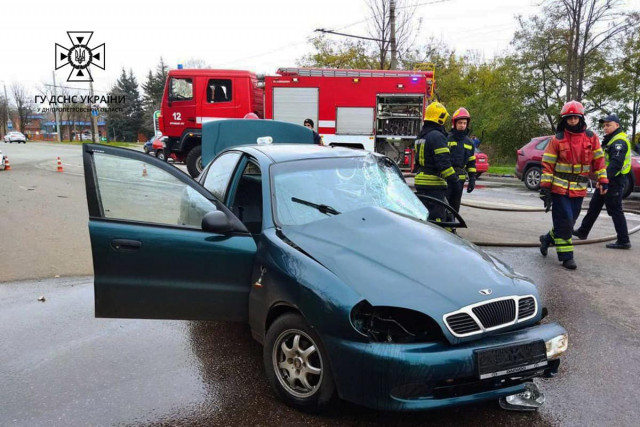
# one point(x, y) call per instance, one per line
point(151, 257)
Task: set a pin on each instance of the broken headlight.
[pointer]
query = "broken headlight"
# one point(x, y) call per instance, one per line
point(394, 324)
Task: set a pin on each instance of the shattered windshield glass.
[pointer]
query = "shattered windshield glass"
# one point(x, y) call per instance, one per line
point(342, 184)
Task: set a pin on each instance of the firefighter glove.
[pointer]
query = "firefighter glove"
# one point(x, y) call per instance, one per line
point(452, 179)
point(605, 187)
point(472, 184)
point(545, 196)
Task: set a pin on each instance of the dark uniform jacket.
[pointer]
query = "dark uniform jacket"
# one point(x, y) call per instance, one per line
point(433, 163)
point(462, 154)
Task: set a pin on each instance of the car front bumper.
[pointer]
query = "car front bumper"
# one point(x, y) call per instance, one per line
point(406, 377)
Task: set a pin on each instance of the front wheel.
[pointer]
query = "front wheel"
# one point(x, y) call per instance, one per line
point(194, 161)
point(297, 365)
point(161, 155)
point(532, 178)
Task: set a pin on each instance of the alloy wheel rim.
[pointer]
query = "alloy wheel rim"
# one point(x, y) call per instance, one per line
point(297, 363)
point(534, 178)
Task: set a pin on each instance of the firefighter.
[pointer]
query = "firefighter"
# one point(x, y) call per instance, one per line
point(433, 161)
point(571, 155)
point(618, 159)
point(463, 159)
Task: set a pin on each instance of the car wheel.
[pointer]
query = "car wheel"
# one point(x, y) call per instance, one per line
point(194, 161)
point(160, 155)
point(628, 186)
point(145, 149)
point(297, 365)
point(532, 178)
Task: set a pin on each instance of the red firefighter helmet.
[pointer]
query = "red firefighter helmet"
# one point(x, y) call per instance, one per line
point(461, 113)
point(572, 108)
point(253, 116)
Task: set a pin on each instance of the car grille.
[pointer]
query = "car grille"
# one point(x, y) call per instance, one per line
point(491, 315)
point(462, 323)
point(526, 307)
point(496, 313)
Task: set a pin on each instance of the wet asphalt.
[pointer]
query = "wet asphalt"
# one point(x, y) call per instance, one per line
point(60, 366)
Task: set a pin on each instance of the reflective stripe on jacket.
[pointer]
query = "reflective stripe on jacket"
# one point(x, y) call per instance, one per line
point(576, 154)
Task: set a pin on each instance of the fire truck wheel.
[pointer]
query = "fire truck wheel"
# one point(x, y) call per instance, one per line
point(194, 161)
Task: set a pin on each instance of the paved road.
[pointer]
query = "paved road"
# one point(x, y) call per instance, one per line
point(61, 366)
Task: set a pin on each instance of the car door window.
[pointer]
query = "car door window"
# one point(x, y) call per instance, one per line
point(132, 190)
point(246, 202)
point(219, 174)
point(543, 144)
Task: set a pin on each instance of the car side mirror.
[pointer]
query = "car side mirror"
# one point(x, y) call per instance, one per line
point(216, 222)
point(449, 211)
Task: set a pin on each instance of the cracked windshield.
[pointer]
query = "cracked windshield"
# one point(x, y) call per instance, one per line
point(311, 190)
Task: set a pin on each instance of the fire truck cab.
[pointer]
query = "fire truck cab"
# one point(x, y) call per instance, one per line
point(374, 110)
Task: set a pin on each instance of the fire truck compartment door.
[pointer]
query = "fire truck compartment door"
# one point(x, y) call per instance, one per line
point(295, 104)
point(221, 134)
point(354, 121)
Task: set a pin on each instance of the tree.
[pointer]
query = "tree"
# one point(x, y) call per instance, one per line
point(586, 27)
point(4, 114)
point(125, 123)
point(630, 78)
point(407, 28)
point(342, 54)
point(24, 104)
point(153, 89)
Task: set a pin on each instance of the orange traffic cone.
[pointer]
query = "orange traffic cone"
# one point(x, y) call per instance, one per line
point(7, 165)
point(144, 170)
point(60, 169)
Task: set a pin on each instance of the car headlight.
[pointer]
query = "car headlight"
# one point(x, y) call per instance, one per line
point(394, 324)
point(557, 346)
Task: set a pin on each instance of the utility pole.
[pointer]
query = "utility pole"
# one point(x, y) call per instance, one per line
point(94, 118)
point(6, 106)
point(392, 24)
point(55, 112)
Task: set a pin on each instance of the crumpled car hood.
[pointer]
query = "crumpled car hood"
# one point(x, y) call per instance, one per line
point(392, 260)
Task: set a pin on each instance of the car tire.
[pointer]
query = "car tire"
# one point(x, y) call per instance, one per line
point(309, 391)
point(160, 155)
point(628, 186)
point(146, 150)
point(194, 161)
point(532, 178)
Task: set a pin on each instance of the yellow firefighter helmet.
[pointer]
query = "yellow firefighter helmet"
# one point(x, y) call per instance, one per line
point(436, 113)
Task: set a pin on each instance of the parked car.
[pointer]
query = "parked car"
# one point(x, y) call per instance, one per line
point(148, 146)
point(529, 165)
point(315, 247)
point(2, 164)
point(482, 162)
point(15, 136)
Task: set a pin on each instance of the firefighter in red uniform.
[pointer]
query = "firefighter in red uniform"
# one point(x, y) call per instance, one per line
point(573, 153)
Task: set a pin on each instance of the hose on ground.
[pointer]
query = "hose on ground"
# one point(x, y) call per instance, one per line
point(537, 244)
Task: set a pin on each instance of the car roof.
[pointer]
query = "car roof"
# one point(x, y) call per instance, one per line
point(286, 152)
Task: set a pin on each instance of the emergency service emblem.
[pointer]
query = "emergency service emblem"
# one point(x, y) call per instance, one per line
point(485, 292)
point(80, 56)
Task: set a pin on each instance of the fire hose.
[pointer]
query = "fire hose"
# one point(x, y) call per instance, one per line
point(537, 243)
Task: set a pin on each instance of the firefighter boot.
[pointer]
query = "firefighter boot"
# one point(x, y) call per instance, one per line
point(544, 245)
point(618, 245)
point(570, 264)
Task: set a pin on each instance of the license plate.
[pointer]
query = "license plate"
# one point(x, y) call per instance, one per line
point(507, 360)
point(481, 160)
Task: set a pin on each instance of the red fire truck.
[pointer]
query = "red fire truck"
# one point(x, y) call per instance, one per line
point(373, 110)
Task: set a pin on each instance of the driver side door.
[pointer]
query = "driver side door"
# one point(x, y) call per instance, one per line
point(151, 258)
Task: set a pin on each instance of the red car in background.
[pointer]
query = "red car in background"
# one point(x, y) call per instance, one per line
point(482, 163)
point(529, 165)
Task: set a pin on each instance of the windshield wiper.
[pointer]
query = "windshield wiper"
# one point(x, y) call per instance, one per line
point(325, 209)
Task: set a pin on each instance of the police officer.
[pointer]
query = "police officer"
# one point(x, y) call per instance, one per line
point(618, 158)
point(463, 158)
point(573, 153)
point(433, 162)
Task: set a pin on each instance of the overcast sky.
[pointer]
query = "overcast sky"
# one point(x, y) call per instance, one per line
point(237, 34)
